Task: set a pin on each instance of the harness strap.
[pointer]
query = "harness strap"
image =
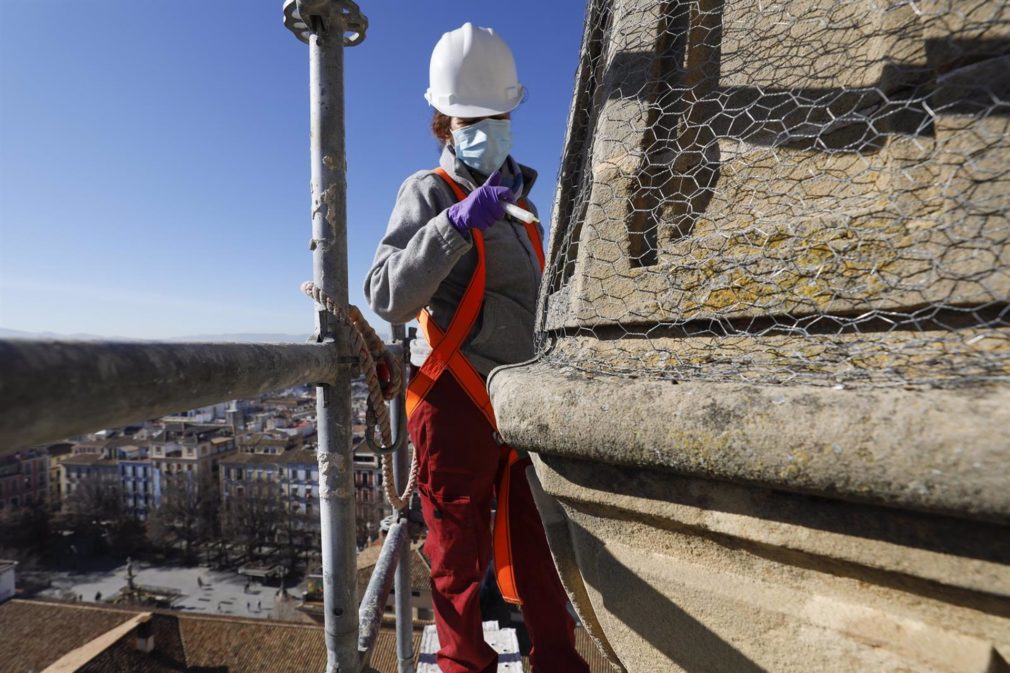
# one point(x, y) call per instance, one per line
point(446, 356)
point(445, 345)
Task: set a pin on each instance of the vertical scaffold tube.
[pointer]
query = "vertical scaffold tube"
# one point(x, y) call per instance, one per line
point(333, 402)
point(402, 588)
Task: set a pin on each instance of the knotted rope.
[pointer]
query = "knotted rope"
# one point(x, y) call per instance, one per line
point(369, 347)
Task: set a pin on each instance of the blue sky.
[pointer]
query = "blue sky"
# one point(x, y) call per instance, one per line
point(154, 155)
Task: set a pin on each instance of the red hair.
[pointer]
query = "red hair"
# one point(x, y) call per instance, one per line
point(440, 127)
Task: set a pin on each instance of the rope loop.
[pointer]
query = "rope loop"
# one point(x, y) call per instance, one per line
point(372, 354)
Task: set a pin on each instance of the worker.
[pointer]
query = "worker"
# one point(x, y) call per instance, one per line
point(452, 258)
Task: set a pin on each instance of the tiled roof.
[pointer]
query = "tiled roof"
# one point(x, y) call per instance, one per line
point(126, 440)
point(96, 445)
point(167, 657)
point(384, 659)
point(34, 634)
point(420, 571)
point(89, 459)
point(293, 457)
point(60, 449)
point(252, 646)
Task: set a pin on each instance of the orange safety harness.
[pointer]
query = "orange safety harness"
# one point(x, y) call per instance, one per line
point(446, 356)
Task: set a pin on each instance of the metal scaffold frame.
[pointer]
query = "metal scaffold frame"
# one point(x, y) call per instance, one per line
point(54, 389)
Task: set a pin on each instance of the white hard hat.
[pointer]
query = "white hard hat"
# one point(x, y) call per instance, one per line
point(473, 74)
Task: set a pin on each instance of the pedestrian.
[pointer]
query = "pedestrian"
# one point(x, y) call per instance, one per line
point(259, 606)
point(199, 582)
point(470, 273)
point(98, 596)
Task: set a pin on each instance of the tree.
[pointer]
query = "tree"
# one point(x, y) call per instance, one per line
point(251, 515)
point(96, 500)
point(95, 514)
point(186, 514)
point(295, 528)
point(25, 530)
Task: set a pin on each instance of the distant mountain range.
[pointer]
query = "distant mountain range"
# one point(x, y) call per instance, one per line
point(228, 338)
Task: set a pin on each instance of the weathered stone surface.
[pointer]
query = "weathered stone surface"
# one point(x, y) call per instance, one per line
point(773, 391)
point(689, 575)
point(818, 158)
point(935, 450)
point(951, 357)
point(831, 236)
point(563, 551)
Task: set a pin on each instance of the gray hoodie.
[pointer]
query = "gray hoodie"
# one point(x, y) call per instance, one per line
point(423, 261)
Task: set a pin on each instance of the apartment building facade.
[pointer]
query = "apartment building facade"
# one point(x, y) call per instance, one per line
point(24, 478)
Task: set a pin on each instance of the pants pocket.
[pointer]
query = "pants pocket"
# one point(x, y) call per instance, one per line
point(452, 544)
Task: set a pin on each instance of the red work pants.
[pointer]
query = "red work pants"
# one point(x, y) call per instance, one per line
point(458, 465)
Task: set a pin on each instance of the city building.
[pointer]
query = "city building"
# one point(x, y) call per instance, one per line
point(293, 476)
point(208, 414)
point(57, 454)
point(288, 482)
point(195, 448)
point(85, 474)
point(420, 581)
point(370, 505)
point(24, 478)
point(268, 442)
point(141, 486)
point(271, 500)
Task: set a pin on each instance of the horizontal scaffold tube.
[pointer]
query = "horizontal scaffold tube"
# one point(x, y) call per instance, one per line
point(50, 390)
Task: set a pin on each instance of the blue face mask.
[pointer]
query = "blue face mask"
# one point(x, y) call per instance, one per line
point(484, 146)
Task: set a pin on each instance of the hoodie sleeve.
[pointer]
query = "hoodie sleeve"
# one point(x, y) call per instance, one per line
point(419, 249)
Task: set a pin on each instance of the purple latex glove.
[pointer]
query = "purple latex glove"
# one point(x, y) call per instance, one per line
point(482, 207)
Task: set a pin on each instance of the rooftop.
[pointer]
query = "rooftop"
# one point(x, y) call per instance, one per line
point(89, 638)
point(25, 454)
point(295, 457)
point(182, 642)
point(89, 459)
point(420, 569)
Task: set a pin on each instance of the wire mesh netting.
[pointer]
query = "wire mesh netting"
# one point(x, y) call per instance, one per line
point(800, 191)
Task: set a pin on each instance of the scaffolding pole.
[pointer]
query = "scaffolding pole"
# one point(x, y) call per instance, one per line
point(401, 472)
point(327, 26)
point(50, 390)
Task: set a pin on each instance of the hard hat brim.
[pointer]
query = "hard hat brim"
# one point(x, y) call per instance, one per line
point(474, 109)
